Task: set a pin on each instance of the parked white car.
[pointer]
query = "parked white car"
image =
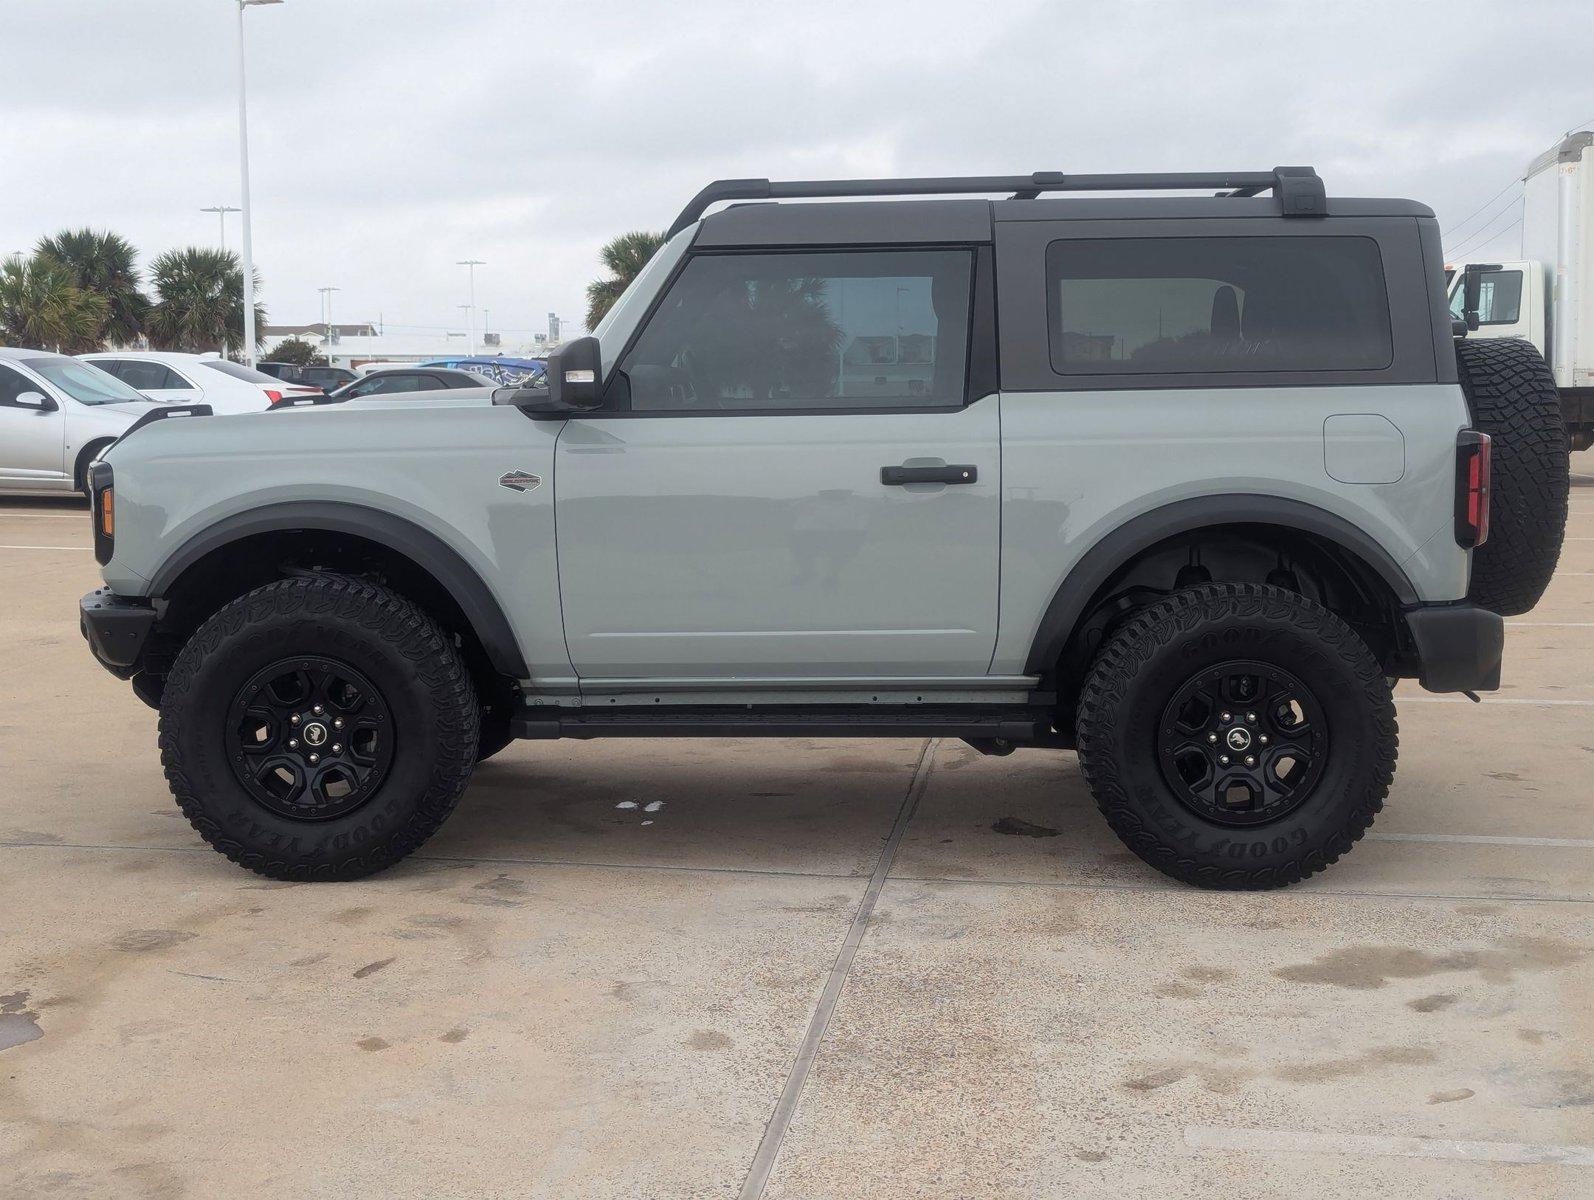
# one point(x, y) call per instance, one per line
point(175, 378)
point(56, 416)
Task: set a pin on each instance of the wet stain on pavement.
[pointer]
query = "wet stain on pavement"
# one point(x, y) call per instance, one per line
point(1451, 1096)
point(350, 916)
point(1017, 827)
point(1337, 1068)
point(372, 1044)
point(373, 968)
point(146, 941)
point(708, 1039)
point(1428, 1004)
point(455, 1036)
point(18, 1024)
point(1367, 967)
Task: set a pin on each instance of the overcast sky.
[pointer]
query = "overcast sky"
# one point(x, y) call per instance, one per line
point(390, 138)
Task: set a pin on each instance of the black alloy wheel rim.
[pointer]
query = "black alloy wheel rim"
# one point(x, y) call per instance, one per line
point(309, 738)
point(1242, 743)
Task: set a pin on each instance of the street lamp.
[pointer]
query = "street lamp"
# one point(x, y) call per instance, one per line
point(470, 314)
point(243, 162)
point(326, 314)
point(221, 211)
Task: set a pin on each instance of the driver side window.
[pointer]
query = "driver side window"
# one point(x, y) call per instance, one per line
point(848, 329)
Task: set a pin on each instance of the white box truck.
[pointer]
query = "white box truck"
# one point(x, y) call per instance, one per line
point(1547, 296)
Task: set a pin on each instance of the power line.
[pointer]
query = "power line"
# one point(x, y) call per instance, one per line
point(1483, 236)
point(1456, 229)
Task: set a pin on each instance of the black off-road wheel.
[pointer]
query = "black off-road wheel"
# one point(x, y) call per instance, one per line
point(1237, 736)
point(318, 729)
point(1513, 399)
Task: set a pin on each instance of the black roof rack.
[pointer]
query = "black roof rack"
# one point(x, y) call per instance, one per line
point(1299, 190)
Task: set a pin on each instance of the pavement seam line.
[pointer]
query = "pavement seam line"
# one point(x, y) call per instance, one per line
point(785, 1110)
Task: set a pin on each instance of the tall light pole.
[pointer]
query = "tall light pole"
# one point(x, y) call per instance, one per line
point(470, 315)
point(221, 211)
point(326, 314)
point(243, 163)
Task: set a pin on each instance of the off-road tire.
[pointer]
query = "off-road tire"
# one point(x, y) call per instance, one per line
point(1513, 399)
point(1142, 666)
point(395, 645)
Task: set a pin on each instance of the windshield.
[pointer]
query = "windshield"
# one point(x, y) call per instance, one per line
point(237, 371)
point(84, 383)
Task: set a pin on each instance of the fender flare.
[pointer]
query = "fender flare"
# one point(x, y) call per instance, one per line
point(1140, 533)
point(425, 549)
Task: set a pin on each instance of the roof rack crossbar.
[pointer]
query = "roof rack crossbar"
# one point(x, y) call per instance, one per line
point(1299, 190)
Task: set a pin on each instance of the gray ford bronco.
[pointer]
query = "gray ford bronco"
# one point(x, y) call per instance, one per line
point(1183, 483)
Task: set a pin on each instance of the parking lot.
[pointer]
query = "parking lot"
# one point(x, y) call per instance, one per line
point(660, 969)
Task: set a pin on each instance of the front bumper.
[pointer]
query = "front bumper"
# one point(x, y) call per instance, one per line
point(1459, 646)
point(116, 629)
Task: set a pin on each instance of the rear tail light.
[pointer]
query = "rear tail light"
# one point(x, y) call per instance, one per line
point(102, 497)
point(1474, 456)
point(274, 396)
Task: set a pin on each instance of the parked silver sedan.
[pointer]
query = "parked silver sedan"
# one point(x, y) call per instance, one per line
point(56, 415)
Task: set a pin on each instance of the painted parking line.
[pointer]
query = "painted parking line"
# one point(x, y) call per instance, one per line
point(1483, 839)
point(1294, 1141)
point(84, 549)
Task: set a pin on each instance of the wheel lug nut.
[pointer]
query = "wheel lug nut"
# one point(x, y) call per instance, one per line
point(1263, 739)
point(293, 720)
point(1224, 759)
point(337, 749)
point(293, 743)
point(318, 710)
point(337, 722)
point(1226, 718)
point(1249, 761)
point(1212, 737)
point(315, 758)
point(1250, 717)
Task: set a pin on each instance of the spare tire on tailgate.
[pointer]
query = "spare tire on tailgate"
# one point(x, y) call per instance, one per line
point(1513, 399)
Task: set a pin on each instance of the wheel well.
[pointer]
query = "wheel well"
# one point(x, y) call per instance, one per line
point(229, 571)
point(85, 456)
point(1309, 564)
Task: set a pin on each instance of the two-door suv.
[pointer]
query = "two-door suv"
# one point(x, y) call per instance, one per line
point(1185, 483)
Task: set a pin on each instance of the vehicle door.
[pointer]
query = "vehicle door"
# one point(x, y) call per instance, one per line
point(32, 431)
point(795, 475)
point(154, 379)
point(392, 383)
point(1503, 308)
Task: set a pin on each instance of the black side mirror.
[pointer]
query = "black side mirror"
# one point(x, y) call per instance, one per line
point(574, 383)
point(1472, 291)
point(37, 401)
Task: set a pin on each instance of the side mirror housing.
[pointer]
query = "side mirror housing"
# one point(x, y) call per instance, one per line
point(574, 383)
point(1472, 291)
point(37, 401)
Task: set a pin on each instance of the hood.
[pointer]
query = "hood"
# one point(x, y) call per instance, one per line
point(131, 408)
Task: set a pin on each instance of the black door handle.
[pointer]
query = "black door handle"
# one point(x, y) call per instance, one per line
point(896, 476)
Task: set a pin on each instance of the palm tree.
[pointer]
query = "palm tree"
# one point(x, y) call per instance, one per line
point(40, 305)
point(199, 300)
point(103, 262)
point(625, 257)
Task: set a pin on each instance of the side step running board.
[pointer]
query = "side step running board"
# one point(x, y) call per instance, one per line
point(1007, 725)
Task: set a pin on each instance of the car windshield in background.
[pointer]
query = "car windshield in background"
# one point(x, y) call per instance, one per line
point(84, 383)
point(247, 374)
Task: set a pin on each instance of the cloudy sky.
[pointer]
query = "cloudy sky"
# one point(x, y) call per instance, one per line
point(390, 138)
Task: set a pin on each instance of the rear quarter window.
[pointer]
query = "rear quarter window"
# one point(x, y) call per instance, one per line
point(1216, 305)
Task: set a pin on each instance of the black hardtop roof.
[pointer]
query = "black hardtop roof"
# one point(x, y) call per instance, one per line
point(1297, 192)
